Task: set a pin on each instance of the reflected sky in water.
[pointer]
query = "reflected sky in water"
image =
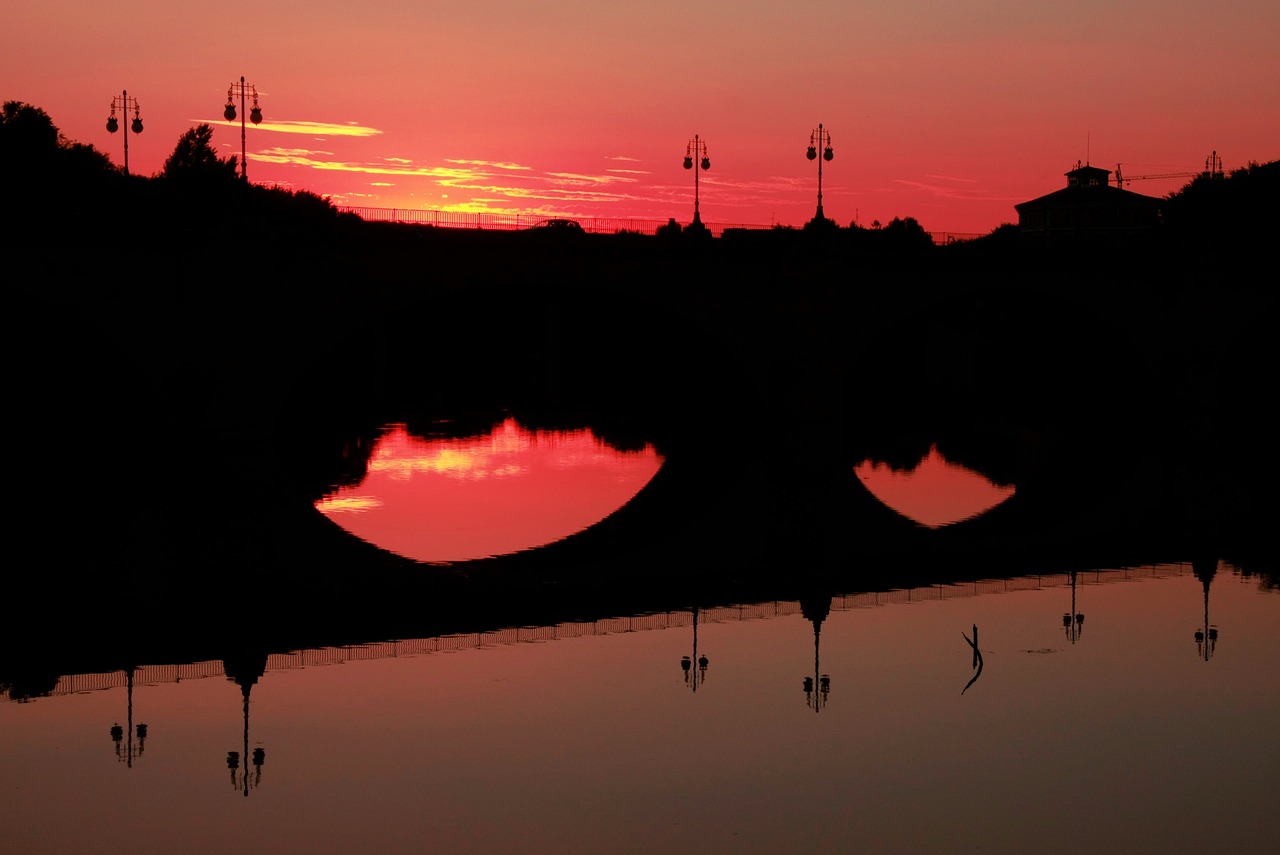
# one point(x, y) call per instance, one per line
point(443, 499)
point(1121, 737)
point(935, 493)
point(439, 500)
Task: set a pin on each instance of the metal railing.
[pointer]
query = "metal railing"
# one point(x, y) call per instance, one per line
point(592, 225)
point(516, 222)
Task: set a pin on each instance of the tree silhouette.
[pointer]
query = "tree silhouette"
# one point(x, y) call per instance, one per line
point(41, 171)
point(85, 160)
point(907, 232)
point(195, 159)
point(1223, 214)
point(29, 138)
point(26, 131)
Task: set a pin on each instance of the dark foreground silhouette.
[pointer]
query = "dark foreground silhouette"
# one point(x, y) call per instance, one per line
point(178, 397)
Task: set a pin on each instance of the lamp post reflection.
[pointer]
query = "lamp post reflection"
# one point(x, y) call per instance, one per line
point(255, 115)
point(694, 677)
point(818, 687)
point(695, 158)
point(125, 103)
point(245, 671)
point(1073, 621)
point(242, 779)
point(1207, 635)
point(127, 749)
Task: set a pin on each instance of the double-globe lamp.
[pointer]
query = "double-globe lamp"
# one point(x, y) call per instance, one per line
point(695, 158)
point(820, 138)
point(125, 103)
point(255, 115)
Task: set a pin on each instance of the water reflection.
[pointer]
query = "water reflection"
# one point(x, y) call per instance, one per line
point(130, 741)
point(444, 498)
point(1073, 620)
point(245, 672)
point(935, 492)
point(1207, 634)
point(817, 688)
point(494, 741)
point(694, 676)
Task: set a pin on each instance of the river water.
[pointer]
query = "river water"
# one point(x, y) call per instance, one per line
point(1121, 709)
point(859, 729)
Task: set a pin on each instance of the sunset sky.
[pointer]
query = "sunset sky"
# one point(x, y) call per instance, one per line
point(947, 112)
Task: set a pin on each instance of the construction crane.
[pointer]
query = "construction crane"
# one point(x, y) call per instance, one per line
point(1212, 169)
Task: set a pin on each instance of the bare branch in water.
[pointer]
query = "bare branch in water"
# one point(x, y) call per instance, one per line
point(977, 658)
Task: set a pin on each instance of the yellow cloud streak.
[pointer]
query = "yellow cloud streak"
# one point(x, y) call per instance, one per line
point(463, 179)
point(322, 129)
point(587, 180)
point(350, 504)
point(286, 156)
point(495, 164)
point(475, 177)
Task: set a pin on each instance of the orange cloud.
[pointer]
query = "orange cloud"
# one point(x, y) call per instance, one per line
point(324, 129)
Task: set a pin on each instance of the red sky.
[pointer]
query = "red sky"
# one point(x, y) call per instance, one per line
point(947, 112)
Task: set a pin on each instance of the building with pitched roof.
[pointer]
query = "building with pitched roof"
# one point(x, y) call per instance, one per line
point(1089, 212)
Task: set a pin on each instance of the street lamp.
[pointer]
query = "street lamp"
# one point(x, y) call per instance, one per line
point(819, 138)
point(695, 158)
point(693, 678)
point(255, 115)
point(125, 103)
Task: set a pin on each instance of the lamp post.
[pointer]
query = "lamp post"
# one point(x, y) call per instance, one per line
point(695, 158)
point(255, 115)
point(693, 678)
point(819, 138)
point(125, 103)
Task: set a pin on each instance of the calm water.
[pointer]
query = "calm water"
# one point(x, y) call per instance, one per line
point(1119, 710)
point(1119, 733)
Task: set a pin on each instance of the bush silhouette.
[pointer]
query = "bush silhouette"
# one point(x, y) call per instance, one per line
point(194, 159)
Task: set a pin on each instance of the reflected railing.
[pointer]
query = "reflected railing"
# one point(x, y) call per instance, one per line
point(397, 648)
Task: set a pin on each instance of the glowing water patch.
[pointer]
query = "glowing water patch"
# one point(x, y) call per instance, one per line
point(935, 493)
point(438, 500)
